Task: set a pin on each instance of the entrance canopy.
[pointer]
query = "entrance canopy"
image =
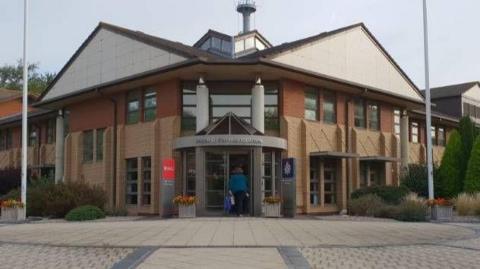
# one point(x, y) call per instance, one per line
point(379, 159)
point(230, 131)
point(333, 154)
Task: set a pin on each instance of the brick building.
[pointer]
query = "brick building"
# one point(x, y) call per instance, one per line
point(336, 102)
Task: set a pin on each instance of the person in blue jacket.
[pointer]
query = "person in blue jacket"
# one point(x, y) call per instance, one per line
point(238, 186)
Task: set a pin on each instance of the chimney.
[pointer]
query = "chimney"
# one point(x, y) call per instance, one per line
point(246, 7)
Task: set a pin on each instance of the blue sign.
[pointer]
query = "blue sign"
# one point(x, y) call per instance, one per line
point(288, 168)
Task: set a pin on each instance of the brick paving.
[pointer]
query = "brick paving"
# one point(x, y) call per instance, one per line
point(240, 243)
point(14, 256)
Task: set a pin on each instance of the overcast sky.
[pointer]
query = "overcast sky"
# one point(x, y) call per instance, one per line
point(58, 27)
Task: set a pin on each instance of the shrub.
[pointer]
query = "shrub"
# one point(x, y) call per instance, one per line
point(389, 194)
point(467, 204)
point(410, 210)
point(450, 182)
point(416, 179)
point(472, 178)
point(367, 205)
point(468, 133)
point(47, 199)
point(86, 212)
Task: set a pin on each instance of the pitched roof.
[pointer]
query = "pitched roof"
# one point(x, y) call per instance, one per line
point(451, 90)
point(8, 94)
point(17, 117)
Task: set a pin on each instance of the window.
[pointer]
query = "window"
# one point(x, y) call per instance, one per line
point(239, 46)
point(373, 116)
point(222, 102)
point(5, 139)
point(149, 105)
point(190, 173)
point(206, 45)
point(88, 146)
point(433, 133)
point(227, 46)
point(249, 43)
point(50, 131)
point(359, 113)
point(329, 181)
point(132, 181)
point(329, 100)
point(441, 139)
point(271, 108)
point(314, 184)
point(216, 43)
point(99, 144)
point(133, 108)
point(372, 174)
point(396, 122)
point(189, 105)
point(465, 109)
point(147, 180)
point(414, 132)
point(33, 136)
point(311, 104)
point(259, 44)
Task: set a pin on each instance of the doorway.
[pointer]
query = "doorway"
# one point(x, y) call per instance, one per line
point(218, 166)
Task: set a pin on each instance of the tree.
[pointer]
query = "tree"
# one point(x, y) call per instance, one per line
point(11, 77)
point(468, 134)
point(450, 181)
point(472, 179)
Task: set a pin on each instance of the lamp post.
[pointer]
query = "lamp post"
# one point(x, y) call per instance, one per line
point(428, 107)
point(24, 108)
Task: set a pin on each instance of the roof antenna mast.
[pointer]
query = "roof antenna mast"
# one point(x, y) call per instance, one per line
point(246, 7)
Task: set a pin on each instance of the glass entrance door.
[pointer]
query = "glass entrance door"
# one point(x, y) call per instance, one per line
point(215, 179)
point(219, 165)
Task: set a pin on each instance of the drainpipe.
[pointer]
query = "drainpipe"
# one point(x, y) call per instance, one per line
point(114, 161)
point(59, 147)
point(348, 148)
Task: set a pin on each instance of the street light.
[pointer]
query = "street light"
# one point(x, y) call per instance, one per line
point(428, 107)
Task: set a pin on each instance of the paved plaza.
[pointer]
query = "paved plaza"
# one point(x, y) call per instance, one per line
point(239, 243)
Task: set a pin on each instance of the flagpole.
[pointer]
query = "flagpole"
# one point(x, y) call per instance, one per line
point(24, 108)
point(428, 106)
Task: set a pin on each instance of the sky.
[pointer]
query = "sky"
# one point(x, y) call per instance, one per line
point(58, 27)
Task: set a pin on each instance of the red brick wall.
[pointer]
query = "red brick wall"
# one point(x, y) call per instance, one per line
point(341, 108)
point(91, 114)
point(168, 99)
point(386, 118)
point(292, 99)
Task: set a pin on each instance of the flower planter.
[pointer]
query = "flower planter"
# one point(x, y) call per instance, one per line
point(13, 214)
point(272, 210)
point(187, 211)
point(442, 213)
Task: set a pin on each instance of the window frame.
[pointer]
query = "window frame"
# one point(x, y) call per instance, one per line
point(133, 96)
point(146, 170)
point(362, 102)
point(273, 122)
point(88, 150)
point(33, 140)
point(371, 104)
point(326, 94)
point(131, 171)
point(395, 124)
point(313, 92)
point(443, 135)
point(147, 95)
point(188, 122)
point(51, 124)
point(414, 125)
point(99, 144)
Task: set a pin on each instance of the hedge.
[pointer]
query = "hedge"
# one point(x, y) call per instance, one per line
point(86, 212)
point(389, 194)
point(472, 178)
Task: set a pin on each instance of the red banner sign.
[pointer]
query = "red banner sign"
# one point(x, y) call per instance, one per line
point(168, 169)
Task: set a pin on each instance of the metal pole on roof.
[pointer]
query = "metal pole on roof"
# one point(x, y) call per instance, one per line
point(428, 107)
point(24, 109)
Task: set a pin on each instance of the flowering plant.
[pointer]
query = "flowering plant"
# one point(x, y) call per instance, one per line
point(439, 202)
point(11, 203)
point(272, 200)
point(184, 200)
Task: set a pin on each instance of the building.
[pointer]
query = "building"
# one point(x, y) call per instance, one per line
point(337, 102)
point(458, 100)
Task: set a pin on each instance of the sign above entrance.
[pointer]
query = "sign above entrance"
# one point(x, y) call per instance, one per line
point(230, 140)
point(168, 169)
point(288, 168)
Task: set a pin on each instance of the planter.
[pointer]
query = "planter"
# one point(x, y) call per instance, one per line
point(187, 211)
point(442, 213)
point(272, 210)
point(12, 214)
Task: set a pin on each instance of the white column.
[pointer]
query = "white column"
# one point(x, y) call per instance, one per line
point(59, 147)
point(202, 105)
point(404, 142)
point(258, 106)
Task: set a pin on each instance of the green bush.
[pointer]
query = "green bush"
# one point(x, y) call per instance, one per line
point(472, 178)
point(450, 182)
point(416, 179)
point(468, 133)
point(367, 205)
point(390, 194)
point(86, 212)
point(409, 210)
point(47, 199)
